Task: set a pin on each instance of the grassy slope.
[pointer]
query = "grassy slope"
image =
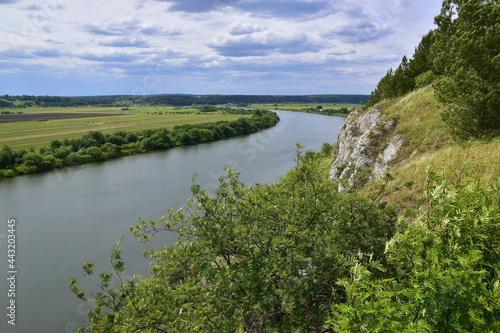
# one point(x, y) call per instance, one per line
point(428, 144)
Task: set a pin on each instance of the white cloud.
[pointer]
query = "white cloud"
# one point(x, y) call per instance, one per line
point(341, 51)
point(124, 42)
point(357, 31)
point(131, 26)
point(238, 28)
point(108, 55)
point(154, 28)
point(289, 9)
point(242, 43)
point(261, 44)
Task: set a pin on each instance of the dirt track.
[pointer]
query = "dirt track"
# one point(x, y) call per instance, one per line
point(12, 118)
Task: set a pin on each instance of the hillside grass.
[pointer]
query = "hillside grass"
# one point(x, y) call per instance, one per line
point(27, 134)
point(429, 147)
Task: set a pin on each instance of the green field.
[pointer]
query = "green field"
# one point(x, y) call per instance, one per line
point(302, 106)
point(37, 134)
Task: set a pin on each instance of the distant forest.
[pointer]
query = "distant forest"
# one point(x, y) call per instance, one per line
point(7, 101)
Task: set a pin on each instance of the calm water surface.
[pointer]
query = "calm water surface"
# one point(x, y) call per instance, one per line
point(75, 215)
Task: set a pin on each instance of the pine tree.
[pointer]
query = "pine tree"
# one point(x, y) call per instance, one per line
point(467, 54)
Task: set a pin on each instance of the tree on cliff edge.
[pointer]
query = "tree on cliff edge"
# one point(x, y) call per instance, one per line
point(467, 55)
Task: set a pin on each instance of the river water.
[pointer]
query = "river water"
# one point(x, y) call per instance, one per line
point(70, 216)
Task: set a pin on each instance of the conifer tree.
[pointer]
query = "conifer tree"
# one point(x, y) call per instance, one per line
point(467, 54)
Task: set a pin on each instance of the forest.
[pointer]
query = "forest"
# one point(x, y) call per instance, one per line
point(7, 101)
point(461, 59)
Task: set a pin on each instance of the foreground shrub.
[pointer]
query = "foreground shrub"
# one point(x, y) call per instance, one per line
point(299, 256)
point(442, 272)
point(256, 259)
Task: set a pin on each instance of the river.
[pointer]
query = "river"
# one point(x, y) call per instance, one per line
point(74, 215)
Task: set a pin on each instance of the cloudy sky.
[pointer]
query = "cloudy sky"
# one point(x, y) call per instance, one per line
point(91, 47)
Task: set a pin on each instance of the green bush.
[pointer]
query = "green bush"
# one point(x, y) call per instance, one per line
point(326, 149)
point(131, 138)
point(51, 162)
point(254, 259)
point(73, 159)
point(424, 79)
point(208, 108)
point(86, 159)
point(440, 274)
point(8, 174)
point(7, 156)
point(97, 154)
point(299, 256)
point(32, 159)
point(61, 152)
point(26, 170)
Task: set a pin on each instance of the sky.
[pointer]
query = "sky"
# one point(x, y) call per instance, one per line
point(261, 47)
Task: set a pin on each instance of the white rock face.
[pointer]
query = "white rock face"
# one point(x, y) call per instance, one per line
point(391, 151)
point(358, 143)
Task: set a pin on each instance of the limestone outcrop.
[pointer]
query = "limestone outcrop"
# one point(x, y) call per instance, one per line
point(365, 146)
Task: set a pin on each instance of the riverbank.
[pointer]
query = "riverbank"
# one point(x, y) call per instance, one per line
point(326, 109)
point(72, 122)
point(96, 146)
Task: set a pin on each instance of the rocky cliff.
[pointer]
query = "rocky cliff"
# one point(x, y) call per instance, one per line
point(365, 146)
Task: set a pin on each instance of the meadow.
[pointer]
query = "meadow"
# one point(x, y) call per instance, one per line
point(40, 133)
point(304, 106)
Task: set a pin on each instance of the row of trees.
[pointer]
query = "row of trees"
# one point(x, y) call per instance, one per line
point(11, 112)
point(176, 100)
point(329, 112)
point(461, 57)
point(12, 105)
point(96, 146)
point(7, 103)
point(297, 256)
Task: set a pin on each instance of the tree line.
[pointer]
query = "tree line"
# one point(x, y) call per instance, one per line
point(96, 146)
point(12, 105)
point(461, 59)
point(175, 100)
point(329, 112)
